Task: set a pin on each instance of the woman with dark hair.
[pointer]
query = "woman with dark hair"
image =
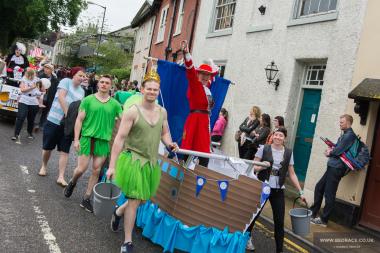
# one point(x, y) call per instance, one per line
point(278, 122)
point(280, 161)
point(220, 125)
point(259, 135)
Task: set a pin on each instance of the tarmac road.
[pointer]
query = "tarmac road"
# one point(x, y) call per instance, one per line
point(35, 217)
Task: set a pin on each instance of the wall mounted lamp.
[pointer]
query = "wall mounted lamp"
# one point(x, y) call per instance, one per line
point(271, 72)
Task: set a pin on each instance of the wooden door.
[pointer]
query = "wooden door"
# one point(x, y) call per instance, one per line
point(371, 205)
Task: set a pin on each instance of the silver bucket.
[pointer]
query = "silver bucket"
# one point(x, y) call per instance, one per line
point(300, 218)
point(105, 197)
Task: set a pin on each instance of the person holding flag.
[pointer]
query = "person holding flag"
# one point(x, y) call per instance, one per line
point(196, 133)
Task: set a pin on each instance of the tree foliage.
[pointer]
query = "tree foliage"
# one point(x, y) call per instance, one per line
point(30, 18)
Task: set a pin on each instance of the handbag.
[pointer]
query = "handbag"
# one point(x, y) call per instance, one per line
point(237, 135)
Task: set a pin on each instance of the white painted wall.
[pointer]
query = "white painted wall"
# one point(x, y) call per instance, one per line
point(247, 55)
point(142, 45)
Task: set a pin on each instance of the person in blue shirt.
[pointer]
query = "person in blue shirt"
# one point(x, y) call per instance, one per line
point(336, 169)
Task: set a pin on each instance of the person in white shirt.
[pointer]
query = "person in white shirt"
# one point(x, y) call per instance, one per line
point(27, 104)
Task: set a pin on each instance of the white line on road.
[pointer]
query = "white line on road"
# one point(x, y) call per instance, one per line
point(24, 169)
point(49, 238)
point(45, 228)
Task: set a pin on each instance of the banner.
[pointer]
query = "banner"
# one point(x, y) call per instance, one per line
point(201, 181)
point(223, 188)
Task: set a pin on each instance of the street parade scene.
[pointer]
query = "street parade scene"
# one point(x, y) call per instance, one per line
point(223, 126)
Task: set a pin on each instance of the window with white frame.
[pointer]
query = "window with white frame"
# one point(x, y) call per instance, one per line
point(314, 76)
point(310, 7)
point(181, 12)
point(162, 26)
point(150, 31)
point(224, 14)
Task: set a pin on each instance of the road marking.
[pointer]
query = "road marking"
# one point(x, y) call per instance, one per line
point(24, 169)
point(290, 245)
point(46, 231)
point(48, 236)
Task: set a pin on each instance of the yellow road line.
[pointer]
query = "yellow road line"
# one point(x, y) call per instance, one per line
point(289, 244)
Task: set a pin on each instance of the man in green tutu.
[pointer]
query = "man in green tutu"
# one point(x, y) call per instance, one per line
point(134, 155)
point(96, 120)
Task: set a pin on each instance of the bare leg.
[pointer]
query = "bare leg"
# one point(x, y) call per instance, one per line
point(45, 159)
point(83, 162)
point(97, 162)
point(121, 209)
point(62, 163)
point(129, 218)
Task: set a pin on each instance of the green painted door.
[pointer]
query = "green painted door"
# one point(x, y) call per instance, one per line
point(305, 131)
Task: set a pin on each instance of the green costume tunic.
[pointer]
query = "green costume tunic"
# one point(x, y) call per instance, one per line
point(137, 170)
point(98, 125)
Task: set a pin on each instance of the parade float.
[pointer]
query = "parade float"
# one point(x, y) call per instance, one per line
point(200, 209)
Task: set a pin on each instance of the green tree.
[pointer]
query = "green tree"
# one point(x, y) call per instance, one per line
point(111, 56)
point(30, 18)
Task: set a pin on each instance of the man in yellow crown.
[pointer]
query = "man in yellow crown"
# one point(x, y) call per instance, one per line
point(134, 155)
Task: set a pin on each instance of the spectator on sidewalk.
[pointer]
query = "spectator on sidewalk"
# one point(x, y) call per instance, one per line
point(69, 90)
point(278, 122)
point(220, 126)
point(93, 131)
point(27, 105)
point(137, 171)
point(48, 71)
point(250, 123)
point(328, 184)
point(280, 161)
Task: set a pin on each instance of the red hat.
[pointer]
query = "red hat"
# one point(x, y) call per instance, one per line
point(205, 68)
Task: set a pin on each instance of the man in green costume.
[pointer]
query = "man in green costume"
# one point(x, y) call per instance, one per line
point(134, 155)
point(96, 119)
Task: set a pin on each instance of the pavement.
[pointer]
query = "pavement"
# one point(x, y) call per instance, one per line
point(333, 238)
point(36, 217)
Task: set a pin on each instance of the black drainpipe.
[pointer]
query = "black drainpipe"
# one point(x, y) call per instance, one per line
point(193, 28)
point(169, 49)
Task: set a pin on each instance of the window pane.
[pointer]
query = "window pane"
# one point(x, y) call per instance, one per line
point(313, 75)
point(332, 5)
point(314, 4)
point(305, 7)
point(321, 74)
point(313, 83)
point(324, 5)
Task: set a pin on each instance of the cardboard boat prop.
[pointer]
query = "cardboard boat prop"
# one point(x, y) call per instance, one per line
point(201, 210)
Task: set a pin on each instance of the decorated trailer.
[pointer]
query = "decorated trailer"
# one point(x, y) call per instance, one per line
point(201, 209)
point(8, 99)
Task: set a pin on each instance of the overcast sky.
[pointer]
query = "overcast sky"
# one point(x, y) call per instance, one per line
point(119, 13)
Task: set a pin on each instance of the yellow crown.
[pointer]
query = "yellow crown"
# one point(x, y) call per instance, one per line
point(152, 76)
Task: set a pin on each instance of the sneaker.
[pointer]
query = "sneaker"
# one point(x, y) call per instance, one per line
point(249, 245)
point(318, 221)
point(68, 191)
point(115, 221)
point(14, 138)
point(127, 248)
point(86, 204)
point(18, 140)
point(30, 137)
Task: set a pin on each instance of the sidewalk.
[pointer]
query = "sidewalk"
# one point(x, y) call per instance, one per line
point(338, 231)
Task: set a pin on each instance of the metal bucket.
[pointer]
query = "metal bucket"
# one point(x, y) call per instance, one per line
point(105, 197)
point(300, 218)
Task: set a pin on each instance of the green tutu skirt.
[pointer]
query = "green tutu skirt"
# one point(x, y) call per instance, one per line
point(134, 180)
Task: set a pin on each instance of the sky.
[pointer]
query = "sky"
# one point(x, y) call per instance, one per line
point(119, 13)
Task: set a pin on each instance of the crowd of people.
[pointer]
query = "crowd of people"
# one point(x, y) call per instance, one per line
point(85, 110)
